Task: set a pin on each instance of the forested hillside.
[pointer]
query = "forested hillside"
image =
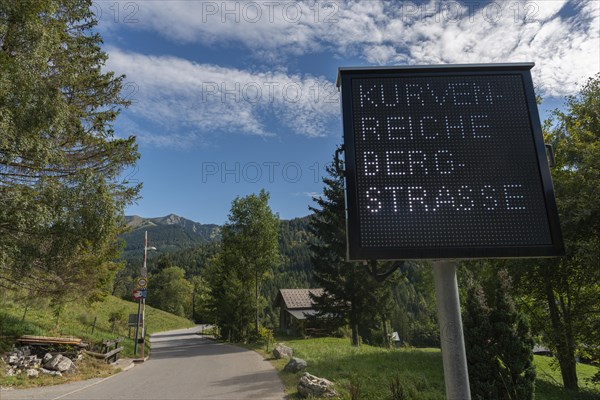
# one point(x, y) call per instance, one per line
point(168, 234)
point(189, 245)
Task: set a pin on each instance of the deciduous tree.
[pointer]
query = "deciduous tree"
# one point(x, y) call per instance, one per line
point(171, 292)
point(563, 295)
point(249, 252)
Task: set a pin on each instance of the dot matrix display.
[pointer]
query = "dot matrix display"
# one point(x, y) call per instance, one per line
point(444, 162)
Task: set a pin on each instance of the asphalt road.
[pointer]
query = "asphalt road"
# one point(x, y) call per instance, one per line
point(183, 365)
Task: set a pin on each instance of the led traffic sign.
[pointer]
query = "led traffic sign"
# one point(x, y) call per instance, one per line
point(446, 162)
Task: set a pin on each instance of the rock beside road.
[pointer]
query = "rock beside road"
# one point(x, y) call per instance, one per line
point(58, 363)
point(313, 386)
point(282, 351)
point(295, 365)
point(21, 360)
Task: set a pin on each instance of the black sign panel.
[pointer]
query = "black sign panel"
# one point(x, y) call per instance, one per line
point(446, 162)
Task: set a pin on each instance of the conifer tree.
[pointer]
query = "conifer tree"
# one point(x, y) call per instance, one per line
point(62, 194)
point(483, 367)
point(352, 294)
point(498, 343)
point(513, 344)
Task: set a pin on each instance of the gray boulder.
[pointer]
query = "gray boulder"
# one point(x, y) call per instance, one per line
point(65, 365)
point(295, 365)
point(313, 386)
point(32, 373)
point(47, 358)
point(59, 363)
point(282, 351)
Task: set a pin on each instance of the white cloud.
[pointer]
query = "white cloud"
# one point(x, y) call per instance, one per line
point(312, 195)
point(154, 135)
point(566, 49)
point(193, 100)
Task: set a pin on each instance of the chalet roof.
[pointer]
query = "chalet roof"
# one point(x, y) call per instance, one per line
point(297, 298)
point(302, 314)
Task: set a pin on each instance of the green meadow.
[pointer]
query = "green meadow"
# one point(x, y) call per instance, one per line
point(369, 371)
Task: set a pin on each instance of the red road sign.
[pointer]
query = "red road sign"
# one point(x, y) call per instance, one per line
point(139, 294)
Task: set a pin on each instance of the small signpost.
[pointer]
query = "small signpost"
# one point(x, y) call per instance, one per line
point(139, 294)
point(132, 320)
point(132, 323)
point(443, 163)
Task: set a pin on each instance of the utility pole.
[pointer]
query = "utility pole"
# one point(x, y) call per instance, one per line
point(143, 299)
point(142, 284)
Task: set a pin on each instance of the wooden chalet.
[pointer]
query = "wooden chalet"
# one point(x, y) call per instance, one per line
point(295, 306)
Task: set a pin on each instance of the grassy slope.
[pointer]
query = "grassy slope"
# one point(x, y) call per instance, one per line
point(77, 319)
point(420, 371)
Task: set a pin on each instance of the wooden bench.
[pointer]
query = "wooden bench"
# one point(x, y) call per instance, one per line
point(108, 354)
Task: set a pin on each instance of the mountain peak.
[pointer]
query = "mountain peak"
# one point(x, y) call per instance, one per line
point(173, 219)
point(168, 233)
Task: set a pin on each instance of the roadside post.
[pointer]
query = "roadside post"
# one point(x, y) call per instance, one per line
point(445, 163)
point(142, 283)
point(139, 295)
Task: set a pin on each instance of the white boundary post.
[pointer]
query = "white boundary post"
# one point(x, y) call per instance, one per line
point(456, 375)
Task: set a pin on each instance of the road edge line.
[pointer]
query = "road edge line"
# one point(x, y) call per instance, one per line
point(95, 383)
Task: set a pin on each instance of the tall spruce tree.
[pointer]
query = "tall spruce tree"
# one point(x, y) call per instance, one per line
point(61, 192)
point(498, 342)
point(352, 294)
point(483, 367)
point(513, 343)
point(230, 300)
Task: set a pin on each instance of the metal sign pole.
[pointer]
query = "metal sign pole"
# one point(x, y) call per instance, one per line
point(137, 328)
point(456, 375)
point(143, 327)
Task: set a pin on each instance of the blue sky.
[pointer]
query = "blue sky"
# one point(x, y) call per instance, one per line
point(233, 96)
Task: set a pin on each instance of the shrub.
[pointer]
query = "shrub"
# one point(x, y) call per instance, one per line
point(117, 320)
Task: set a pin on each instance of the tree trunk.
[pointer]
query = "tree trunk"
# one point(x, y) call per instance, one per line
point(353, 316)
point(564, 346)
point(355, 338)
point(25, 312)
point(386, 333)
